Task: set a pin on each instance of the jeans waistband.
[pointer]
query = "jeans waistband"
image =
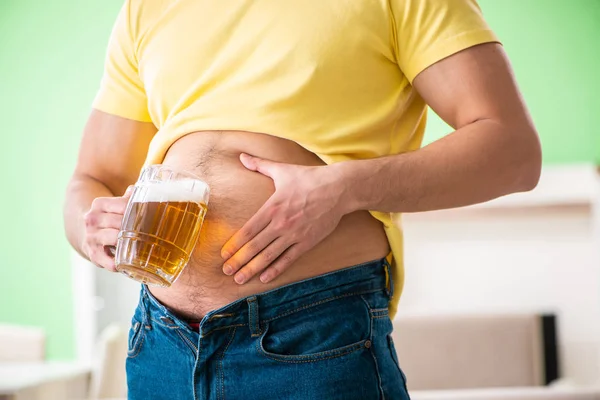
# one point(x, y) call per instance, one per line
point(364, 278)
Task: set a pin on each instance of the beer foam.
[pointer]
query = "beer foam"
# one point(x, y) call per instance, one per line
point(181, 190)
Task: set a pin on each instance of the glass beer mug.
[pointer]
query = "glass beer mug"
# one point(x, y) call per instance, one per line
point(161, 225)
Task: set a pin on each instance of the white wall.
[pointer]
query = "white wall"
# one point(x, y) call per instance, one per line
point(101, 298)
point(508, 258)
point(117, 299)
point(84, 312)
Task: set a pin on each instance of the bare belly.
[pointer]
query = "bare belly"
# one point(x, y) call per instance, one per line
point(236, 194)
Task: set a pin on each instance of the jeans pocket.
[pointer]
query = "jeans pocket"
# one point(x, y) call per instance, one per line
point(325, 330)
point(136, 338)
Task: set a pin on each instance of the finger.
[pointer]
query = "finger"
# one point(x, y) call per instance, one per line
point(251, 228)
point(248, 251)
point(116, 205)
point(284, 261)
point(262, 260)
point(102, 220)
point(99, 257)
point(109, 220)
point(265, 167)
point(129, 191)
point(106, 262)
point(107, 237)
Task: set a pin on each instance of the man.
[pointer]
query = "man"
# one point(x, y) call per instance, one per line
point(306, 119)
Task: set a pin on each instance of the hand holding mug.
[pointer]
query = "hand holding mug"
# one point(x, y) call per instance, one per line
point(102, 226)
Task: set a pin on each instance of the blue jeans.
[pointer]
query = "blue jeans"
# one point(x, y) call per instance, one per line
point(326, 337)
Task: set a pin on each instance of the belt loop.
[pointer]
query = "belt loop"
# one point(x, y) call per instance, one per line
point(253, 317)
point(144, 306)
point(389, 282)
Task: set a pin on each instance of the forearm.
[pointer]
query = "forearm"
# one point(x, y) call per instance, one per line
point(81, 192)
point(476, 163)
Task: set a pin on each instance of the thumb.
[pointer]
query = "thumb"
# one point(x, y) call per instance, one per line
point(265, 167)
point(129, 191)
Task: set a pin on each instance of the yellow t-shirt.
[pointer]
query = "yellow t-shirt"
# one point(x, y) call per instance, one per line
point(334, 76)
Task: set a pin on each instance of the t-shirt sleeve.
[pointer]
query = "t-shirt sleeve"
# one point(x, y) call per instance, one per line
point(427, 31)
point(121, 90)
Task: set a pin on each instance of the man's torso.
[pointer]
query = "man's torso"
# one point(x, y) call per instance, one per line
point(236, 194)
point(320, 80)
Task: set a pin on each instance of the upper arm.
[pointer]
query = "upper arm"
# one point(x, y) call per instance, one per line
point(122, 91)
point(119, 130)
point(427, 31)
point(451, 56)
point(474, 84)
point(113, 150)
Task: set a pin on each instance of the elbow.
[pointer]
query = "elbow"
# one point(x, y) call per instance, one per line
point(529, 167)
point(530, 176)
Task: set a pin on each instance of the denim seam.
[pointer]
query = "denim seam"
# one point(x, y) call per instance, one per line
point(311, 358)
point(370, 319)
point(163, 325)
point(138, 346)
point(371, 350)
point(380, 313)
point(390, 282)
point(380, 316)
point(175, 325)
point(320, 302)
point(215, 316)
point(378, 375)
point(394, 355)
point(221, 368)
point(390, 341)
point(302, 308)
point(379, 309)
point(221, 328)
point(145, 314)
point(188, 342)
point(194, 373)
point(253, 317)
point(136, 327)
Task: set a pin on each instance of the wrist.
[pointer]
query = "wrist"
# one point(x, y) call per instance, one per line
point(348, 182)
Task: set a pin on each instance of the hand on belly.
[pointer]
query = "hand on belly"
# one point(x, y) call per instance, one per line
point(320, 244)
point(306, 207)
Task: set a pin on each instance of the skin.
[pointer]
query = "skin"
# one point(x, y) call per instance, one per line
point(112, 151)
point(493, 152)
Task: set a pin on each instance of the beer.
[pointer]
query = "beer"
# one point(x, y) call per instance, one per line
point(160, 229)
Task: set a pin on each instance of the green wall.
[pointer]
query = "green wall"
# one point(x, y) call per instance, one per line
point(51, 56)
point(554, 46)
